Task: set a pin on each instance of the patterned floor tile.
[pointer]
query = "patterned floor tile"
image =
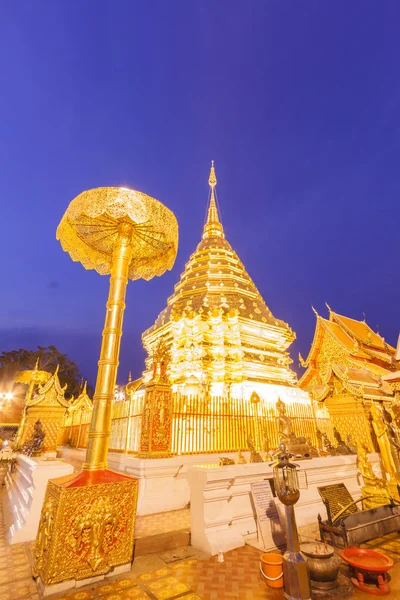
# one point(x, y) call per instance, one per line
point(81, 595)
point(167, 587)
point(154, 574)
point(136, 593)
point(104, 589)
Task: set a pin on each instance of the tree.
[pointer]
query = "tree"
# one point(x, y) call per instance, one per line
point(48, 359)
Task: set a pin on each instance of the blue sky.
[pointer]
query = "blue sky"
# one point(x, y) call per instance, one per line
point(298, 103)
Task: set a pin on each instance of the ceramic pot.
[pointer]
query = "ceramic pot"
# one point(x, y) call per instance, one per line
point(323, 565)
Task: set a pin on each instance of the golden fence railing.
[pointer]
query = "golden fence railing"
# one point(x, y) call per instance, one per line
point(221, 424)
point(75, 429)
point(204, 425)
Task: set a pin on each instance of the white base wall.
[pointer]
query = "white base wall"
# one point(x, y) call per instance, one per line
point(221, 510)
point(163, 483)
point(26, 488)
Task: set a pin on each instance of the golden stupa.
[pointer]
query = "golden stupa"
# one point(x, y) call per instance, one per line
point(222, 337)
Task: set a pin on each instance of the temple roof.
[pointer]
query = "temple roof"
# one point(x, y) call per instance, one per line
point(215, 278)
point(83, 401)
point(359, 357)
point(355, 337)
point(51, 394)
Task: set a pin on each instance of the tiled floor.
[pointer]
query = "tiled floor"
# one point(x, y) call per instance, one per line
point(16, 581)
point(152, 578)
point(162, 522)
point(236, 578)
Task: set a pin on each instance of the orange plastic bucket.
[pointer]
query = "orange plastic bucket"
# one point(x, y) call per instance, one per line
point(271, 569)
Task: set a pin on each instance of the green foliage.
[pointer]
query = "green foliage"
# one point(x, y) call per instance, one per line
point(48, 359)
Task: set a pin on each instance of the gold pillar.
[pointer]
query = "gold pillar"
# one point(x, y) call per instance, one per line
point(100, 427)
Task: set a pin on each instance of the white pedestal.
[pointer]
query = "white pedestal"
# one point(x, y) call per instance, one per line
point(26, 488)
point(222, 514)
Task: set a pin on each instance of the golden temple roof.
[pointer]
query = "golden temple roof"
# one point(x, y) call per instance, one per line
point(362, 332)
point(351, 351)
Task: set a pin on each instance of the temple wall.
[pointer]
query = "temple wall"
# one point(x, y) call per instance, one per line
point(51, 419)
point(350, 416)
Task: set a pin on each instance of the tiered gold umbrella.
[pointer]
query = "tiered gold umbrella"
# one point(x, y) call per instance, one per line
point(129, 235)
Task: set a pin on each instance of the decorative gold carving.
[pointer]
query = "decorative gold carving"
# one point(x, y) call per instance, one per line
point(85, 530)
point(101, 515)
point(156, 435)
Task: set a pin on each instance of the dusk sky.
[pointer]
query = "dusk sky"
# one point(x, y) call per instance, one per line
point(297, 102)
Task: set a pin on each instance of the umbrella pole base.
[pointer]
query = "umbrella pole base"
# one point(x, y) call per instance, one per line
point(86, 529)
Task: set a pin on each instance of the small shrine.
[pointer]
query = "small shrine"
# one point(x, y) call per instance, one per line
point(76, 421)
point(48, 406)
point(346, 371)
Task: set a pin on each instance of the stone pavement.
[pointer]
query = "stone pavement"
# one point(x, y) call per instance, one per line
point(180, 574)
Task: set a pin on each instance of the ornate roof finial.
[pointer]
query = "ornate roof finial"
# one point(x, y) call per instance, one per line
point(213, 226)
point(129, 376)
point(302, 361)
point(212, 180)
point(328, 307)
point(314, 311)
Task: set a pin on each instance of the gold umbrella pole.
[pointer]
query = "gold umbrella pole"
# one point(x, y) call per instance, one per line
point(99, 434)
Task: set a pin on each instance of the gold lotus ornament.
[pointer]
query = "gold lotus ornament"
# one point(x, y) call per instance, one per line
point(128, 235)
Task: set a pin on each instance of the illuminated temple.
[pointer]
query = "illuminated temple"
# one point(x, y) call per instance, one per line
point(226, 358)
point(348, 368)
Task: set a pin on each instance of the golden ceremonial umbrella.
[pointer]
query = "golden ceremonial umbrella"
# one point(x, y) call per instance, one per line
point(32, 376)
point(92, 224)
point(129, 235)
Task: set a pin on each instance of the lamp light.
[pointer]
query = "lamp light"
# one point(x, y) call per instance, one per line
point(295, 573)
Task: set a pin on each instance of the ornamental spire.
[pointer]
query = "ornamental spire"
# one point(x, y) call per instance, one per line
point(213, 226)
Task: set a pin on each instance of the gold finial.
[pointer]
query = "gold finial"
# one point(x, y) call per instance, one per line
point(328, 307)
point(84, 388)
point(129, 376)
point(37, 364)
point(212, 180)
point(314, 311)
point(213, 226)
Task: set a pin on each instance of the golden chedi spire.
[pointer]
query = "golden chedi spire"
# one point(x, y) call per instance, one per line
point(213, 226)
point(216, 323)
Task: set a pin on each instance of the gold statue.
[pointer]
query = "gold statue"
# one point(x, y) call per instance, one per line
point(295, 445)
point(382, 437)
point(285, 428)
point(255, 457)
point(373, 485)
point(241, 459)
